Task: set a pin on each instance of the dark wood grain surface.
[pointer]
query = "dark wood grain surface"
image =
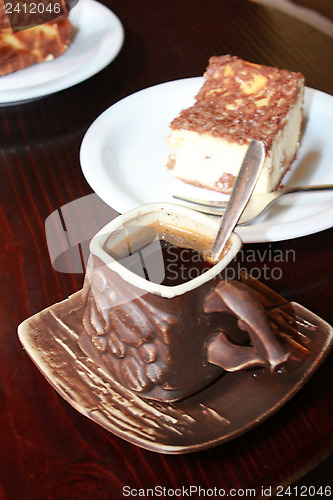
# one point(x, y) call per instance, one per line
point(49, 450)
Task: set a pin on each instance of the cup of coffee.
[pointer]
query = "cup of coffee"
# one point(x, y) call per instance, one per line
point(159, 317)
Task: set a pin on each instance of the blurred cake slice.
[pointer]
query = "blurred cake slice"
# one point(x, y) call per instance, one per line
point(238, 102)
point(24, 48)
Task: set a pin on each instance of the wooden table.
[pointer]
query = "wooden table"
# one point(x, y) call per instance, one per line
point(48, 449)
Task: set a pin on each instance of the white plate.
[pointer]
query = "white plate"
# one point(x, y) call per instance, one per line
point(123, 156)
point(98, 38)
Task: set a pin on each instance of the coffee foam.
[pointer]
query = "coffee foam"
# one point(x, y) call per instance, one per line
point(182, 237)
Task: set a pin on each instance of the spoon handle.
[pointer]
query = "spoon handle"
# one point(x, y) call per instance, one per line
point(240, 195)
point(307, 189)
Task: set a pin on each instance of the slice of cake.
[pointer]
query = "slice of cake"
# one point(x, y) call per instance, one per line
point(34, 45)
point(238, 102)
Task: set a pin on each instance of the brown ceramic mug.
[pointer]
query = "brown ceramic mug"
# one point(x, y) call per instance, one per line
point(169, 342)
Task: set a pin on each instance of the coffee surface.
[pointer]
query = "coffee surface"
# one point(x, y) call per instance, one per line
point(164, 254)
point(181, 264)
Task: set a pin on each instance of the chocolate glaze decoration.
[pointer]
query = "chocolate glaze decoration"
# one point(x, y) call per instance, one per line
point(236, 298)
point(183, 338)
point(123, 337)
point(232, 405)
point(150, 324)
point(169, 342)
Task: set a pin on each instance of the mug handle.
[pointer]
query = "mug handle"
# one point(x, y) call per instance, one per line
point(238, 299)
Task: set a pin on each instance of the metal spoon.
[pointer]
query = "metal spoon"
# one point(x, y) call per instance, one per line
point(240, 195)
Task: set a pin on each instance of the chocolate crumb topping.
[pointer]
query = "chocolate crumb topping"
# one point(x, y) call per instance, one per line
point(225, 183)
point(241, 101)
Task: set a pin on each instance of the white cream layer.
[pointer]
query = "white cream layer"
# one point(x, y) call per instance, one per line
point(202, 159)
